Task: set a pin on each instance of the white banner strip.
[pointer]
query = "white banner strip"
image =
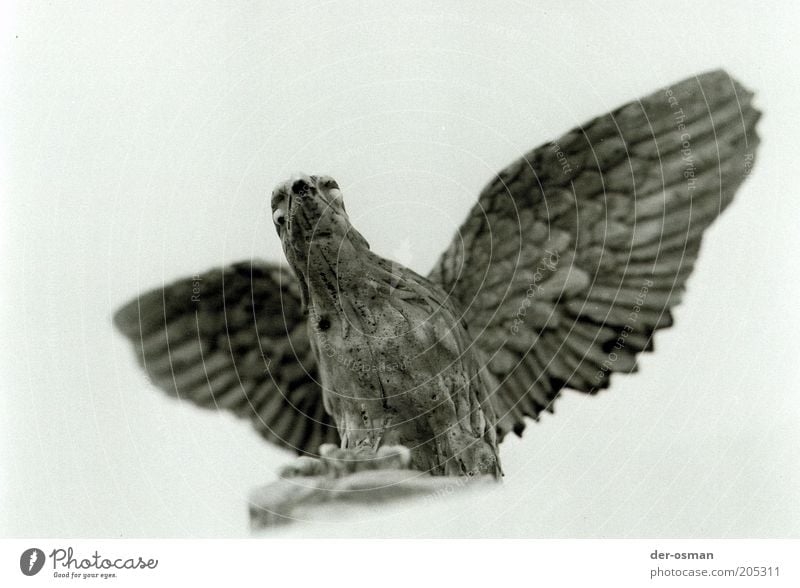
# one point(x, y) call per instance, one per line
point(332, 563)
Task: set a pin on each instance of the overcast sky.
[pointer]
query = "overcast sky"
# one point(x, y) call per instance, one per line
point(141, 142)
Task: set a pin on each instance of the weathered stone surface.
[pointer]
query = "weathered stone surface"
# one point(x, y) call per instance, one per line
point(288, 499)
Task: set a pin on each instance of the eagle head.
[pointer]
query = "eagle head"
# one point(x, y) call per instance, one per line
point(313, 226)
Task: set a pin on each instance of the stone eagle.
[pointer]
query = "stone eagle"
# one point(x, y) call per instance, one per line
point(572, 258)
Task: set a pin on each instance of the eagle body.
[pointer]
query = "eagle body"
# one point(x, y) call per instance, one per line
point(365, 313)
point(571, 260)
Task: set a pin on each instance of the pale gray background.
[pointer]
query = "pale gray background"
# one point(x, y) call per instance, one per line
point(141, 143)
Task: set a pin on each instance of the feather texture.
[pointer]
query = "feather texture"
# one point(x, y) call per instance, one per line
point(234, 339)
point(575, 253)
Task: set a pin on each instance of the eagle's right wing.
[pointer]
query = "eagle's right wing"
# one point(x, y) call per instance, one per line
point(575, 253)
point(235, 338)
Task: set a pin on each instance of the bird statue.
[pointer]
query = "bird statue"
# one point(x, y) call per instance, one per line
point(572, 258)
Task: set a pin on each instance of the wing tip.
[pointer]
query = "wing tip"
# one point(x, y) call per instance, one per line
point(126, 319)
point(715, 82)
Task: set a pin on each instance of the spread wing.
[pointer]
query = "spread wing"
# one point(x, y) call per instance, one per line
point(575, 254)
point(234, 338)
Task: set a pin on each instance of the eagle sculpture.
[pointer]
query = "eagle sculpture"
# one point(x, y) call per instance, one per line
point(572, 258)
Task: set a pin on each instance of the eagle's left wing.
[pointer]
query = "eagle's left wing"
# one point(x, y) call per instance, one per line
point(575, 254)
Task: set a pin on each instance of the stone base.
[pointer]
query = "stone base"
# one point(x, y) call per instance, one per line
point(287, 499)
